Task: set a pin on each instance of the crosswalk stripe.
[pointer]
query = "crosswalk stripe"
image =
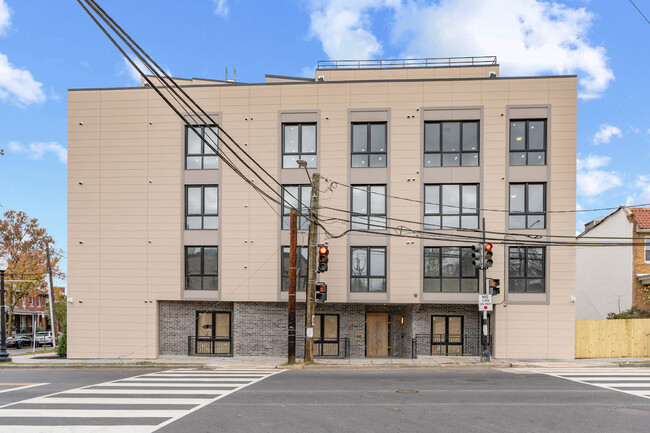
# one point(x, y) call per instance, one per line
point(145, 394)
point(616, 379)
point(95, 413)
point(172, 399)
point(77, 429)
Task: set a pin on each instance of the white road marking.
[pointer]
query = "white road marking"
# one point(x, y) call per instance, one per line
point(22, 387)
point(212, 387)
point(626, 380)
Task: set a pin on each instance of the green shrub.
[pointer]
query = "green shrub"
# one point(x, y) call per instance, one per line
point(62, 348)
point(632, 313)
point(39, 329)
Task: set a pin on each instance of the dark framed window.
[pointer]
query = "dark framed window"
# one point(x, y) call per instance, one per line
point(528, 142)
point(369, 143)
point(293, 196)
point(198, 154)
point(326, 335)
point(368, 269)
point(298, 142)
point(449, 270)
point(202, 207)
point(646, 249)
point(302, 260)
point(451, 206)
point(527, 270)
point(527, 206)
point(451, 144)
point(201, 268)
point(447, 335)
point(368, 207)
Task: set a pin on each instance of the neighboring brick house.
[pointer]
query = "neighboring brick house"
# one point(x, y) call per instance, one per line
point(641, 259)
point(612, 279)
point(30, 312)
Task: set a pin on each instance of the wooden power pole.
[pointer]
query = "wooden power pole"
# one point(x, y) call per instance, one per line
point(293, 246)
point(311, 270)
point(51, 295)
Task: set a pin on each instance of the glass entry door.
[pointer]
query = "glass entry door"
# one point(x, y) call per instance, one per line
point(447, 335)
point(213, 333)
point(326, 335)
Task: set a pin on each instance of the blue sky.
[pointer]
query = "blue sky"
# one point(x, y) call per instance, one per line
point(47, 47)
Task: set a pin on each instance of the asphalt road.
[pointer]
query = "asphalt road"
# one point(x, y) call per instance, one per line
point(351, 400)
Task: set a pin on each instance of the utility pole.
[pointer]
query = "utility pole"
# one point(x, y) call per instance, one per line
point(293, 246)
point(51, 295)
point(485, 355)
point(311, 270)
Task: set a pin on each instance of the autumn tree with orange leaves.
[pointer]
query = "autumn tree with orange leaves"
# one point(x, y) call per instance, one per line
point(22, 243)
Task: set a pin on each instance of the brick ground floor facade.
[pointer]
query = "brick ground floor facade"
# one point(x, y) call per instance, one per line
point(260, 328)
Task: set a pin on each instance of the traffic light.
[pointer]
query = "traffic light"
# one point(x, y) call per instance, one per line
point(321, 292)
point(477, 258)
point(488, 256)
point(323, 252)
point(494, 286)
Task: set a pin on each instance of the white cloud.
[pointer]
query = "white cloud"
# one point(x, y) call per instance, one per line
point(343, 27)
point(642, 195)
point(16, 85)
point(605, 134)
point(131, 72)
point(529, 37)
point(221, 8)
point(5, 17)
point(591, 180)
point(38, 150)
point(635, 129)
point(592, 162)
point(648, 131)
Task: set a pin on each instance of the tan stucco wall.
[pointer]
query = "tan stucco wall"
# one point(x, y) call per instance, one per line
point(129, 212)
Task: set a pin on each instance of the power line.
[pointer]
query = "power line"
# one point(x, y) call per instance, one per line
point(639, 10)
point(153, 68)
point(428, 235)
point(334, 182)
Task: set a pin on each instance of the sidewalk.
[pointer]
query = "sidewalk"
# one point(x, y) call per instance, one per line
point(50, 360)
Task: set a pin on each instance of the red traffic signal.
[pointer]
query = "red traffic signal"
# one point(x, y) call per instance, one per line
point(321, 292)
point(323, 252)
point(488, 247)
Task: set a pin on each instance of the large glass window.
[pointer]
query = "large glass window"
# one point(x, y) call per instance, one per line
point(202, 207)
point(451, 144)
point(368, 269)
point(301, 268)
point(450, 270)
point(527, 206)
point(298, 142)
point(201, 268)
point(293, 196)
point(527, 142)
point(198, 154)
point(368, 207)
point(527, 270)
point(369, 144)
point(647, 249)
point(452, 206)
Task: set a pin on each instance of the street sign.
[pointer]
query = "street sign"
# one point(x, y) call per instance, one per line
point(485, 302)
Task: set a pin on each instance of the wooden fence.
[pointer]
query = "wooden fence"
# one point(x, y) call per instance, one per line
point(615, 338)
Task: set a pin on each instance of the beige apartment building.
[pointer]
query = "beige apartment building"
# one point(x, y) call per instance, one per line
point(171, 252)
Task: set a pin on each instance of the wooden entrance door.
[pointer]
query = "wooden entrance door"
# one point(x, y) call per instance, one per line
point(377, 334)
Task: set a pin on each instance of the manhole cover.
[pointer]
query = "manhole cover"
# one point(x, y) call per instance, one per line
point(632, 411)
point(475, 380)
point(407, 391)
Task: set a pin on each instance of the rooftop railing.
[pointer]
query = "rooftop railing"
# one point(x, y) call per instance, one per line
point(432, 62)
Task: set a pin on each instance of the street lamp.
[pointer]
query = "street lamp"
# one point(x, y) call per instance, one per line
point(4, 356)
